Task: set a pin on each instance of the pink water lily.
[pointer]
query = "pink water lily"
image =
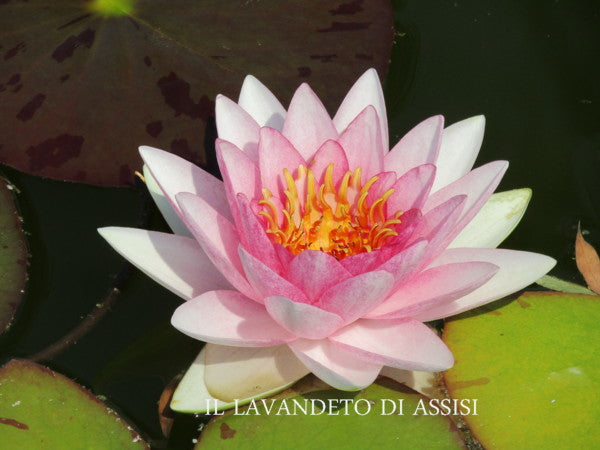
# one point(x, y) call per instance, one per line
point(322, 250)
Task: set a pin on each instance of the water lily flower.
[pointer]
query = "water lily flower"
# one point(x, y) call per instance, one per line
point(322, 250)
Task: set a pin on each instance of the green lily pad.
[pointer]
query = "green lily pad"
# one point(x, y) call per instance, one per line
point(355, 420)
point(40, 408)
point(556, 284)
point(13, 256)
point(84, 83)
point(533, 365)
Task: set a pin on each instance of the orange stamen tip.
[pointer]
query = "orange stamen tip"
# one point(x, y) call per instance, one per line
point(140, 176)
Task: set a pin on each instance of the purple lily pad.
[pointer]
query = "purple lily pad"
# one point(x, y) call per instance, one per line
point(80, 89)
point(13, 256)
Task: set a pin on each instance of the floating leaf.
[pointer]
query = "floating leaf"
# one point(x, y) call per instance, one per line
point(533, 366)
point(368, 421)
point(13, 256)
point(556, 284)
point(85, 83)
point(40, 408)
point(588, 262)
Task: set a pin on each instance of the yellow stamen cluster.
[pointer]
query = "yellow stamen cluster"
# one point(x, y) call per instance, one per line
point(341, 222)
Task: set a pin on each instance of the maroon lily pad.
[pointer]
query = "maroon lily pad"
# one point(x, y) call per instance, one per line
point(84, 83)
point(13, 256)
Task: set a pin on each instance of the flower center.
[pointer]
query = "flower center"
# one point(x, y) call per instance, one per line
point(342, 222)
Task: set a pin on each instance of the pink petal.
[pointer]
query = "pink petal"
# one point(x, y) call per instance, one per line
point(302, 319)
point(228, 318)
point(366, 91)
point(237, 126)
point(329, 152)
point(419, 146)
point(266, 282)
point(433, 287)
point(307, 124)
point(442, 216)
point(240, 174)
point(412, 188)
point(461, 142)
point(334, 365)
point(356, 296)
point(404, 344)
point(517, 271)
point(275, 153)
point(410, 219)
point(478, 185)
point(385, 181)
point(283, 254)
point(361, 141)
point(176, 262)
point(314, 271)
point(261, 104)
point(218, 238)
point(254, 237)
point(363, 262)
point(397, 260)
point(404, 263)
point(174, 174)
point(437, 227)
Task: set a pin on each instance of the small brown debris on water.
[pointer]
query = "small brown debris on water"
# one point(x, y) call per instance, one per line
point(587, 261)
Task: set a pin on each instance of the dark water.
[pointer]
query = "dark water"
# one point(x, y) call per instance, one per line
point(531, 67)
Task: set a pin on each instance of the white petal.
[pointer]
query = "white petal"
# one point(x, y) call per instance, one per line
point(496, 220)
point(478, 185)
point(261, 104)
point(302, 319)
point(366, 91)
point(174, 174)
point(164, 206)
point(229, 318)
point(417, 147)
point(422, 382)
point(220, 374)
point(461, 142)
point(335, 366)
point(217, 237)
point(176, 262)
point(517, 271)
point(235, 125)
